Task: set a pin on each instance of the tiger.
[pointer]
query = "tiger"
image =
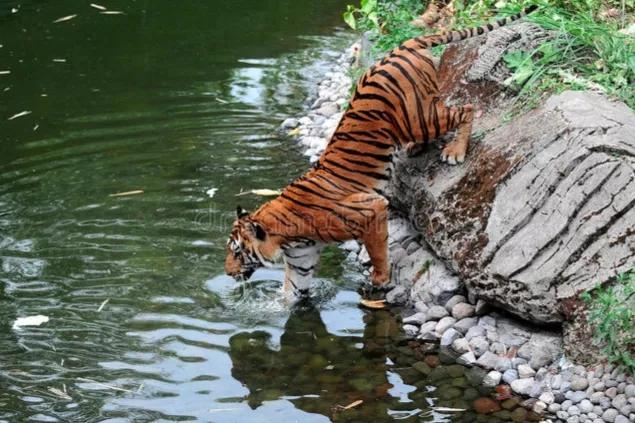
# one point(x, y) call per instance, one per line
point(396, 105)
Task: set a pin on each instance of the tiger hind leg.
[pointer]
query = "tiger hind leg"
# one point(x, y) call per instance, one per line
point(375, 236)
point(460, 118)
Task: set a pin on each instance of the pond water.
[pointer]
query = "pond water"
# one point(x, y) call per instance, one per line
point(173, 99)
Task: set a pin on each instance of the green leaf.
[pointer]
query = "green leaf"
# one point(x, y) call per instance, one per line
point(374, 18)
point(368, 6)
point(349, 17)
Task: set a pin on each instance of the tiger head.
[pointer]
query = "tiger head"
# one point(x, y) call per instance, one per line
point(248, 247)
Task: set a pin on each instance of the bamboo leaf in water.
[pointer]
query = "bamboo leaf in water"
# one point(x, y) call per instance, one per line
point(65, 18)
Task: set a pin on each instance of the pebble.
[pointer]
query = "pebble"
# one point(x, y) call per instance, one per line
point(475, 331)
point(465, 324)
point(610, 415)
point(454, 301)
point(462, 310)
point(416, 319)
point(445, 324)
point(621, 419)
point(629, 391)
point(525, 371)
point(492, 379)
point(579, 383)
point(510, 375)
point(548, 398)
point(492, 361)
point(585, 406)
point(479, 345)
point(411, 330)
point(523, 386)
point(449, 336)
point(467, 359)
point(436, 312)
point(461, 345)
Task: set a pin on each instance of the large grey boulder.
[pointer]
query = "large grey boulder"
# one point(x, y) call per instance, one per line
point(541, 210)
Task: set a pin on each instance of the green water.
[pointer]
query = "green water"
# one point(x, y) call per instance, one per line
point(173, 98)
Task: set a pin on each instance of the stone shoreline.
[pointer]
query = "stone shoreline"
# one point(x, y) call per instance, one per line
point(436, 309)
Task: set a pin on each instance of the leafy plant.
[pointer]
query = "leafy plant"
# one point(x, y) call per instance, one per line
point(611, 312)
point(366, 15)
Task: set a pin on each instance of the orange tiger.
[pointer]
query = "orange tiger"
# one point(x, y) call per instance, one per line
point(396, 105)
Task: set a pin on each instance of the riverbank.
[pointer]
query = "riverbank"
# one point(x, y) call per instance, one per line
point(437, 308)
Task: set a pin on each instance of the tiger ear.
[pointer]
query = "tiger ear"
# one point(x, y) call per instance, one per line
point(240, 212)
point(259, 231)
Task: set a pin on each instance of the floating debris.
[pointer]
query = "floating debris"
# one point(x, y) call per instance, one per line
point(97, 6)
point(211, 192)
point(112, 12)
point(349, 406)
point(60, 60)
point(7, 72)
point(123, 194)
point(262, 192)
point(103, 385)
point(23, 113)
point(448, 409)
point(65, 18)
point(103, 304)
point(373, 303)
point(61, 394)
point(30, 321)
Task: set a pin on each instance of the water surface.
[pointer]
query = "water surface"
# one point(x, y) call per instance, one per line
point(172, 99)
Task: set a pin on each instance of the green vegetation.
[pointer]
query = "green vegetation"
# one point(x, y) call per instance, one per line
point(589, 49)
point(611, 313)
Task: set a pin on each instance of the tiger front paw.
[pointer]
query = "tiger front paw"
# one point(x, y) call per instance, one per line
point(453, 153)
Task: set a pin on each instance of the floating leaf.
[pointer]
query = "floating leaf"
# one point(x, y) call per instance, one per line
point(112, 12)
point(377, 304)
point(17, 115)
point(262, 192)
point(65, 18)
point(97, 6)
point(30, 321)
point(352, 405)
point(103, 304)
point(123, 194)
point(60, 393)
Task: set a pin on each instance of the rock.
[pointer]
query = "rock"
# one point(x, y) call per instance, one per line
point(465, 324)
point(492, 379)
point(411, 331)
point(481, 307)
point(525, 371)
point(422, 368)
point(351, 245)
point(475, 331)
point(449, 336)
point(629, 391)
point(492, 361)
point(611, 392)
point(547, 398)
point(541, 349)
point(619, 401)
point(454, 301)
point(364, 258)
point(289, 123)
point(585, 406)
point(596, 397)
point(467, 359)
point(461, 346)
point(416, 319)
point(579, 383)
point(523, 386)
point(509, 376)
point(485, 405)
point(479, 345)
point(444, 324)
point(573, 410)
point(539, 407)
point(610, 415)
point(498, 348)
point(436, 312)
point(397, 295)
point(535, 193)
point(462, 310)
point(621, 419)
point(575, 396)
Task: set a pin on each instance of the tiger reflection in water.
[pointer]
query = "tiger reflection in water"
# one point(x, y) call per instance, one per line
point(330, 369)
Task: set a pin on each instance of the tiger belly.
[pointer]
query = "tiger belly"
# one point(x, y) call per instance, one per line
point(300, 262)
